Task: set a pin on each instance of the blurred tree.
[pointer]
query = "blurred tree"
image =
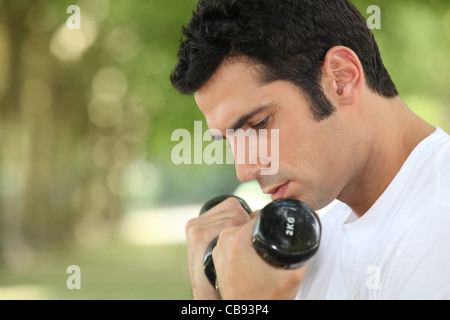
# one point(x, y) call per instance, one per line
point(75, 112)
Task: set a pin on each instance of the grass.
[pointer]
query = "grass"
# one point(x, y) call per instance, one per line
point(115, 272)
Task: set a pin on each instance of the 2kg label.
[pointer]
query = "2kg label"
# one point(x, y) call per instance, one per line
point(290, 226)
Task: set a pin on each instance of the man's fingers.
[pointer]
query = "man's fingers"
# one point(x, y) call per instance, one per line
point(228, 204)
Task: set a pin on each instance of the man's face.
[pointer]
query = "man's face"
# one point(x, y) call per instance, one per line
point(315, 157)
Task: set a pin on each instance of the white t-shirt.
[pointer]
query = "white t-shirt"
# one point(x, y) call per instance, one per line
point(400, 248)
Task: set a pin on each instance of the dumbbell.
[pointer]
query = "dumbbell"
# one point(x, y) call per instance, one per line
point(286, 234)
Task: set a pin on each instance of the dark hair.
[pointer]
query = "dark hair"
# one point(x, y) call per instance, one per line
point(286, 39)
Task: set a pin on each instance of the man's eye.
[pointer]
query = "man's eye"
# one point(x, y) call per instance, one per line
point(261, 124)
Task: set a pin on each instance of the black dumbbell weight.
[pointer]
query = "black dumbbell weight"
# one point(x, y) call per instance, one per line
point(286, 234)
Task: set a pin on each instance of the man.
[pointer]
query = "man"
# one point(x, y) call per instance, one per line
point(312, 70)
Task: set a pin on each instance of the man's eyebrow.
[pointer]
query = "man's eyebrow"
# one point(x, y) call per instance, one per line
point(240, 121)
point(243, 119)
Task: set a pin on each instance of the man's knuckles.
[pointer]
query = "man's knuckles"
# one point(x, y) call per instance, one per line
point(229, 204)
point(203, 226)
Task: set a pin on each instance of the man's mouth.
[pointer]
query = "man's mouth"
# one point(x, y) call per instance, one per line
point(278, 192)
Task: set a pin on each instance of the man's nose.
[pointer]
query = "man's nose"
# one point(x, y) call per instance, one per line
point(244, 145)
point(247, 172)
point(248, 167)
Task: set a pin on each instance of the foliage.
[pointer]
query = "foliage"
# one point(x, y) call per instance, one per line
point(86, 115)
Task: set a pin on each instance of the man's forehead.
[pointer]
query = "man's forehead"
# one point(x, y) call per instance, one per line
point(214, 112)
point(228, 91)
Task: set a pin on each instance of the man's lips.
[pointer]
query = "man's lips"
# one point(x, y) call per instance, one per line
point(278, 192)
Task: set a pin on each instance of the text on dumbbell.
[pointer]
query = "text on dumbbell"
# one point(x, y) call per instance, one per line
point(290, 226)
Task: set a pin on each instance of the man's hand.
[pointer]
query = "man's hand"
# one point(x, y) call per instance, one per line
point(200, 232)
point(243, 274)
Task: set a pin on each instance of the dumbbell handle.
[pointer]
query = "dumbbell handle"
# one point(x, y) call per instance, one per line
point(208, 263)
point(286, 234)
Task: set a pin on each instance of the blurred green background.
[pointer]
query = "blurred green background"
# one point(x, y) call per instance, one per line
point(86, 118)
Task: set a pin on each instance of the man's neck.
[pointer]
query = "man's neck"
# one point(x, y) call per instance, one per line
point(394, 134)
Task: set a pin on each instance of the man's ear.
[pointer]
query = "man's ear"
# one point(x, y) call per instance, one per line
point(343, 75)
